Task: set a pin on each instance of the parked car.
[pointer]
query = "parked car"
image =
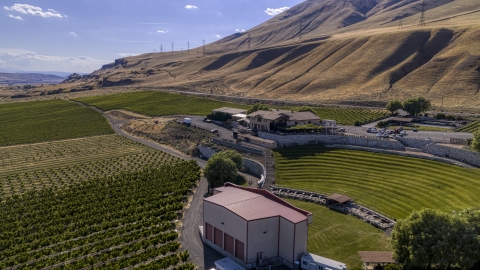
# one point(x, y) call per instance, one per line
point(379, 135)
point(369, 130)
point(341, 130)
point(415, 130)
point(403, 132)
point(373, 130)
point(215, 131)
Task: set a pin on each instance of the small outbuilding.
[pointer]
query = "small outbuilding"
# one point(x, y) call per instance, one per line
point(375, 260)
point(231, 111)
point(338, 200)
point(314, 262)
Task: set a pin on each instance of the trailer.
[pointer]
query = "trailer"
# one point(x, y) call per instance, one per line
point(315, 262)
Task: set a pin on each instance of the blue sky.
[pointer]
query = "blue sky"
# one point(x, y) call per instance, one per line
point(82, 35)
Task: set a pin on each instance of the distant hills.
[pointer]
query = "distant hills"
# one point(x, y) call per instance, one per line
point(29, 78)
point(327, 51)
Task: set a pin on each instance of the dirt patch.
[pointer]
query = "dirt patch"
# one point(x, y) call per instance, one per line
point(126, 115)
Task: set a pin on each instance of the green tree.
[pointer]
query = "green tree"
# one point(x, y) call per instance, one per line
point(258, 107)
point(429, 238)
point(416, 106)
point(234, 156)
point(220, 170)
point(476, 141)
point(394, 105)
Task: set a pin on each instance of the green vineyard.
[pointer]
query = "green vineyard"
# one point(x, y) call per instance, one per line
point(391, 184)
point(55, 164)
point(121, 222)
point(472, 127)
point(39, 121)
point(157, 103)
point(349, 117)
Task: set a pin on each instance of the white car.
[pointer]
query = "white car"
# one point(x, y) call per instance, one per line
point(379, 135)
point(373, 130)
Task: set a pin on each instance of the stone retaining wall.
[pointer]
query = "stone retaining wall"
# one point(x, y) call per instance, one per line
point(239, 147)
point(254, 167)
point(413, 143)
point(292, 140)
point(468, 156)
point(206, 152)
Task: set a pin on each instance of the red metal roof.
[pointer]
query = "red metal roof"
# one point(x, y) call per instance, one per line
point(253, 204)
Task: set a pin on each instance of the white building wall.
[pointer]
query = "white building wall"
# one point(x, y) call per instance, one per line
point(233, 225)
point(301, 239)
point(263, 237)
point(286, 239)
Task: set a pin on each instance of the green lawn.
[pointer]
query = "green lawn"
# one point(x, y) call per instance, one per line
point(340, 237)
point(30, 122)
point(157, 103)
point(390, 184)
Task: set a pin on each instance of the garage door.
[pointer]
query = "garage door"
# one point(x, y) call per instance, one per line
point(218, 237)
point(229, 243)
point(239, 250)
point(208, 232)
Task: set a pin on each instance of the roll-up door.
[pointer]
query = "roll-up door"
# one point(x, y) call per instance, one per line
point(218, 237)
point(229, 244)
point(239, 250)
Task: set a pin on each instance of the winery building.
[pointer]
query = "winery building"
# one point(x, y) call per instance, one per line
point(254, 227)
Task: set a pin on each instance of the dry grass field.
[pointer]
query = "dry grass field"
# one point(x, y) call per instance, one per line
point(350, 50)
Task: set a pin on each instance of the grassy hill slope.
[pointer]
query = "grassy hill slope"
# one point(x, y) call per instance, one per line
point(351, 50)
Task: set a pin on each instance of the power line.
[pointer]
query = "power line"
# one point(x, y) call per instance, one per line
point(422, 15)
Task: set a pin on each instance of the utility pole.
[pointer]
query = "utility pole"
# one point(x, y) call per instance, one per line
point(422, 15)
point(400, 24)
point(172, 47)
point(161, 48)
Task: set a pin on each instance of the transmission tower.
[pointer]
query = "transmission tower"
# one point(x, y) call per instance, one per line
point(400, 24)
point(422, 15)
point(161, 48)
point(204, 48)
point(300, 31)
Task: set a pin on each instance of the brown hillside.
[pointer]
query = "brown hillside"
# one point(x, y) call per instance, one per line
point(364, 57)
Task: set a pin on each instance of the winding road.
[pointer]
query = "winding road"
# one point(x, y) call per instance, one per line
point(201, 255)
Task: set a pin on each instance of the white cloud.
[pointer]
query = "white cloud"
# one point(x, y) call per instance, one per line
point(240, 30)
point(33, 10)
point(275, 11)
point(15, 17)
point(73, 34)
point(25, 59)
point(218, 36)
point(127, 54)
point(162, 31)
point(191, 7)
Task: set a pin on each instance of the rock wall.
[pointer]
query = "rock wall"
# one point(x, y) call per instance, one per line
point(206, 152)
point(254, 167)
point(467, 156)
point(292, 140)
point(413, 143)
point(239, 147)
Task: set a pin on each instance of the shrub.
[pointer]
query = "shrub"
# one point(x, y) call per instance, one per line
point(357, 123)
point(440, 116)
